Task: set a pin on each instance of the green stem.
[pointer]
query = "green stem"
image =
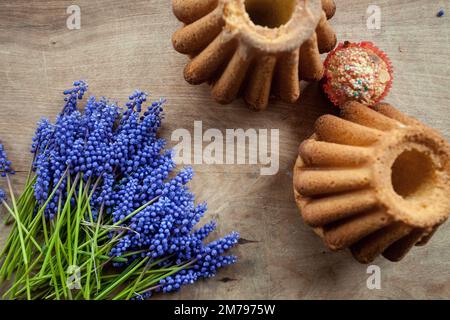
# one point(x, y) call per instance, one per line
point(57, 230)
point(125, 275)
point(22, 243)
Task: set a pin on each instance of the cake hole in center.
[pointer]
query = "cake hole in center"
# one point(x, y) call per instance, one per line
point(270, 13)
point(413, 175)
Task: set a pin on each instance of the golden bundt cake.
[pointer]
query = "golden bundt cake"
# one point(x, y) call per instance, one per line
point(254, 47)
point(375, 181)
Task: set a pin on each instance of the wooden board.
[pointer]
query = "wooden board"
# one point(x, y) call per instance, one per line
point(124, 45)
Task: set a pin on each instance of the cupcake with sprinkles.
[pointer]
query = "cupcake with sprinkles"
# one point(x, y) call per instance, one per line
point(357, 72)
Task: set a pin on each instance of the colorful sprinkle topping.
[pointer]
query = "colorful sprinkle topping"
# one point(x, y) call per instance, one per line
point(357, 73)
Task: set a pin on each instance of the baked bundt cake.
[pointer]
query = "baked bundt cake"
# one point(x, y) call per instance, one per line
point(375, 181)
point(254, 47)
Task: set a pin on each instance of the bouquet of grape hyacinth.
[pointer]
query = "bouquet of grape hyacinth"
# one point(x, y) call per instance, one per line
point(102, 214)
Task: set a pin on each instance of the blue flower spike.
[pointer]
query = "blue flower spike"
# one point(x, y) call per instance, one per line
point(119, 150)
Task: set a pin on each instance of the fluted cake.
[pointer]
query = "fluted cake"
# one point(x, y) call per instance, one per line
point(254, 47)
point(375, 181)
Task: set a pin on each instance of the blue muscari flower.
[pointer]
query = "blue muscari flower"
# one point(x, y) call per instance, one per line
point(203, 232)
point(42, 137)
point(5, 164)
point(136, 100)
point(120, 153)
point(142, 296)
point(72, 95)
point(209, 260)
point(5, 168)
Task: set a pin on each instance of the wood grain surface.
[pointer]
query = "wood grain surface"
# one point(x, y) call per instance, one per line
point(124, 45)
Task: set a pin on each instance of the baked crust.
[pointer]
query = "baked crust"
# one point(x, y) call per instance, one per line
point(241, 58)
point(375, 181)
